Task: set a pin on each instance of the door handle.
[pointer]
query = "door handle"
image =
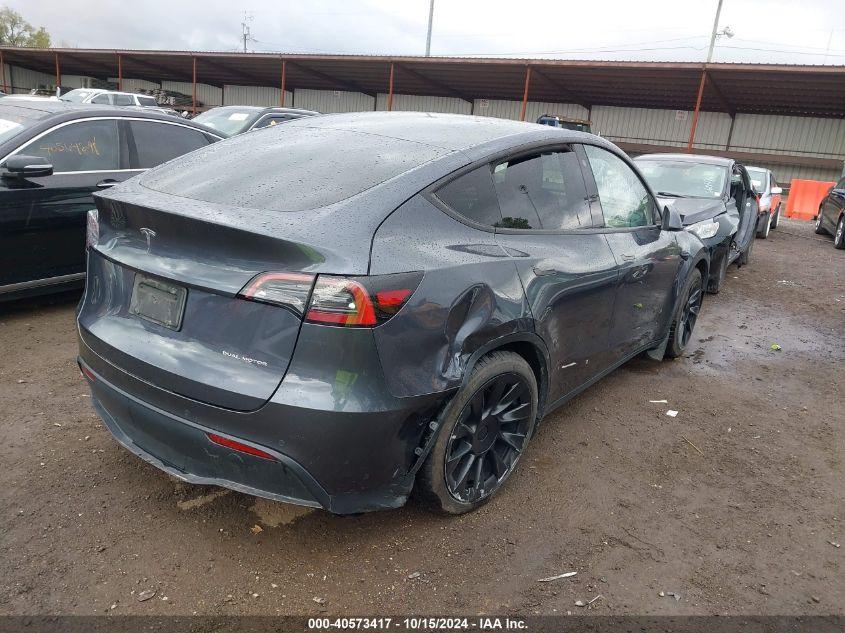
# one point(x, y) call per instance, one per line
point(105, 184)
point(543, 272)
point(628, 258)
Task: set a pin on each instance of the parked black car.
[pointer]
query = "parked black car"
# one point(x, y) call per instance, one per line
point(831, 216)
point(331, 310)
point(53, 156)
point(716, 201)
point(238, 119)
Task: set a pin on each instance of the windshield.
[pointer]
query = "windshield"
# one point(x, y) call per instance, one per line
point(15, 119)
point(758, 179)
point(672, 179)
point(76, 96)
point(229, 120)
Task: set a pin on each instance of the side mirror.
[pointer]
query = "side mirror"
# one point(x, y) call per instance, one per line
point(776, 191)
point(22, 166)
point(671, 220)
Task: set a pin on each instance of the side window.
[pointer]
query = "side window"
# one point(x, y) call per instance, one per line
point(270, 121)
point(101, 99)
point(83, 146)
point(124, 100)
point(156, 143)
point(472, 195)
point(625, 201)
point(542, 191)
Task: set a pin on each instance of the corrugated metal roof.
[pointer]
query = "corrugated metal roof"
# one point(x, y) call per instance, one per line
point(802, 90)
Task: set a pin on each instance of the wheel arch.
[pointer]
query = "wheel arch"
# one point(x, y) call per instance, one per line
point(530, 347)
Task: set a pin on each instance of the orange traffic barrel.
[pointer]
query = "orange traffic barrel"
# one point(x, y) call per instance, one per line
point(805, 196)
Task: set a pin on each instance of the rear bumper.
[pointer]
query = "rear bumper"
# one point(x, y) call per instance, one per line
point(347, 447)
point(184, 450)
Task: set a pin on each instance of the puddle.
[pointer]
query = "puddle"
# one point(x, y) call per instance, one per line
point(275, 513)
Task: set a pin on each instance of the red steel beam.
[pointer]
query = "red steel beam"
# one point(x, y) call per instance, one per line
point(284, 78)
point(58, 72)
point(119, 71)
point(390, 90)
point(525, 93)
point(697, 111)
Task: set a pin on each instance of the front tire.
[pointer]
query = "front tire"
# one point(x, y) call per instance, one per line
point(485, 429)
point(776, 218)
point(745, 256)
point(839, 237)
point(820, 230)
point(714, 285)
point(686, 315)
point(763, 231)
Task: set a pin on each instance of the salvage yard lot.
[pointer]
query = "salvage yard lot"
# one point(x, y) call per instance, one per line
point(736, 504)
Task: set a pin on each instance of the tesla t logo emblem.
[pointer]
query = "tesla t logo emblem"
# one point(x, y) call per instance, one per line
point(149, 234)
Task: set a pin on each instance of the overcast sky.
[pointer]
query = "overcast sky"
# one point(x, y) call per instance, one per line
point(782, 31)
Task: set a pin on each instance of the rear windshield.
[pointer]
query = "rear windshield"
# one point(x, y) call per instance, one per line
point(76, 96)
point(287, 168)
point(15, 119)
point(229, 120)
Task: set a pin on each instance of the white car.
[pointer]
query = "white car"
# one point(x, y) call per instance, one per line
point(109, 97)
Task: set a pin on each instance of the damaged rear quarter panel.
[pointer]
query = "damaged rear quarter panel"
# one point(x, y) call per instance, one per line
point(425, 347)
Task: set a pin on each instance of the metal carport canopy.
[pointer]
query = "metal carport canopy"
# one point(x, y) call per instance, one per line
point(732, 88)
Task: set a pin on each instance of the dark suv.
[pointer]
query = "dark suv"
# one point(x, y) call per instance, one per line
point(335, 311)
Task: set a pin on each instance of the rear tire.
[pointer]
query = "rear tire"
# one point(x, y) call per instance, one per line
point(820, 230)
point(839, 237)
point(686, 314)
point(485, 430)
point(776, 218)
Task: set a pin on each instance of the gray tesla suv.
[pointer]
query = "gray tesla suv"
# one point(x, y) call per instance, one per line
point(343, 309)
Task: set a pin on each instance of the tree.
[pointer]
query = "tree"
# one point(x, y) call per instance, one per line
point(15, 31)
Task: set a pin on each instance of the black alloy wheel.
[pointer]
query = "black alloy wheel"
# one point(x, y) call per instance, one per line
point(483, 431)
point(488, 438)
point(686, 316)
point(839, 236)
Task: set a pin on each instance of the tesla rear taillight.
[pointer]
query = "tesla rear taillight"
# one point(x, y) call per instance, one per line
point(239, 446)
point(360, 301)
point(333, 300)
point(290, 290)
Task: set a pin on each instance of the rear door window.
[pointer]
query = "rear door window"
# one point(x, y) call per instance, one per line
point(80, 146)
point(101, 100)
point(625, 201)
point(124, 100)
point(473, 196)
point(155, 143)
point(542, 191)
point(147, 102)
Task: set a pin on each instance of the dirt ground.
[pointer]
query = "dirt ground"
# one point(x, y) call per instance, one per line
point(736, 505)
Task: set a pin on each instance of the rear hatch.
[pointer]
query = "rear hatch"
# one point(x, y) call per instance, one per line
point(175, 247)
point(162, 293)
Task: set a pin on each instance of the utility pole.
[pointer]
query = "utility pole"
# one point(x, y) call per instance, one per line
point(713, 35)
point(430, 23)
point(245, 34)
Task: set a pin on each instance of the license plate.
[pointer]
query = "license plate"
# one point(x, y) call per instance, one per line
point(158, 301)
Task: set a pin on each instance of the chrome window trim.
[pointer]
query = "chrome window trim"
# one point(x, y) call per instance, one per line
point(99, 118)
